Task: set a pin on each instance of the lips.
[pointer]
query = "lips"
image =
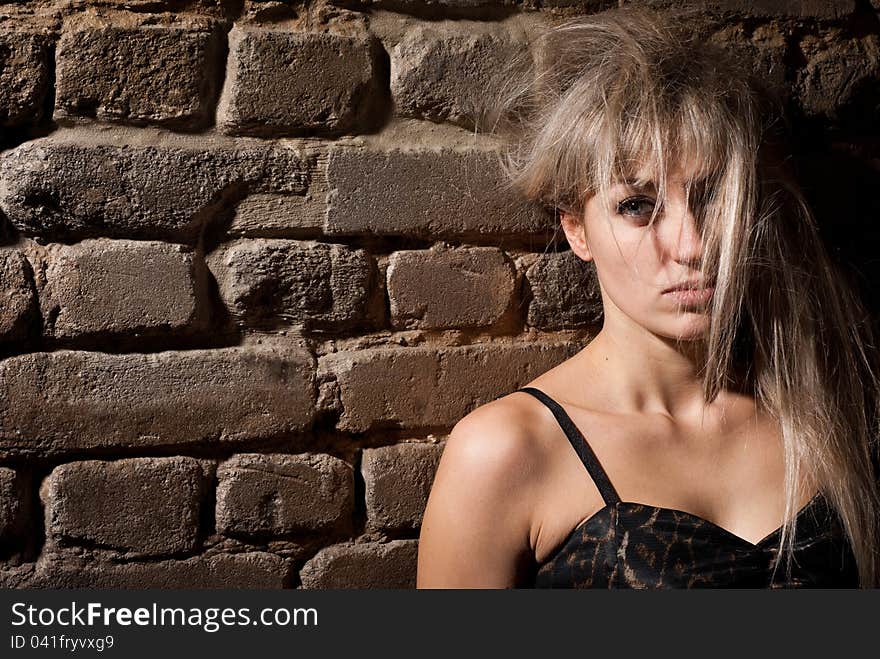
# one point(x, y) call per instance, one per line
point(691, 295)
point(690, 285)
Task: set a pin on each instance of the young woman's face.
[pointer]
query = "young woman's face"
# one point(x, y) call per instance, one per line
point(637, 264)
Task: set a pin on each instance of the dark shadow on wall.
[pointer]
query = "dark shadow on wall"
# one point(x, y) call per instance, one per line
point(8, 234)
point(841, 186)
point(12, 137)
point(837, 160)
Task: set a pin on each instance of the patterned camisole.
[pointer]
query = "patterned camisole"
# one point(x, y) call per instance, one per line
point(635, 545)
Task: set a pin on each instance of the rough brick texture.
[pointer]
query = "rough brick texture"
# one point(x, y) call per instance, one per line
point(271, 280)
point(145, 506)
point(820, 9)
point(448, 77)
point(93, 400)
point(78, 183)
point(16, 288)
point(564, 292)
point(13, 508)
point(24, 75)
point(363, 565)
point(286, 82)
point(397, 481)
point(256, 569)
point(275, 495)
point(161, 74)
point(826, 9)
point(101, 286)
point(424, 193)
point(266, 215)
point(431, 386)
point(765, 48)
point(470, 287)
point(438, 8)
point(837, 72)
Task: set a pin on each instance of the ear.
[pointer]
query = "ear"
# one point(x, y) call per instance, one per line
point(576, 234)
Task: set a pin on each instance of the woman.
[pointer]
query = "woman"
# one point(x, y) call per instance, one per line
point(723, 420)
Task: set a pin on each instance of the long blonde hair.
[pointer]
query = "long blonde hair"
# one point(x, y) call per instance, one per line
point(614, 91)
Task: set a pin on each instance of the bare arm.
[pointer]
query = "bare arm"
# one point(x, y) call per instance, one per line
point(476, 527)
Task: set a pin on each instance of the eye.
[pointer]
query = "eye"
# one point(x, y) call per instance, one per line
point(636, 207)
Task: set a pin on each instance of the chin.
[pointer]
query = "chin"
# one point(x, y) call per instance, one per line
point(689, 327)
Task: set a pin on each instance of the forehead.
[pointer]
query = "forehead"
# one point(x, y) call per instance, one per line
point(683, 159)
point(682, 174)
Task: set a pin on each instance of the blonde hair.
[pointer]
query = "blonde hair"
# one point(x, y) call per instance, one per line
point(616, 91)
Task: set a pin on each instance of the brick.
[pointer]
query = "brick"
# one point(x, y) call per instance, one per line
point(362, 565)
point(79, 183)
point(585, 6)
point(271, 215)
point(425, 193)
point(824, 9)
point(208, 7)
point(435, 289)
point(251, 570)
point(166, 75)
point(448, 77)
point(821, 9)
point(452, 4)
point(53, 403)
point(13, 507)
point(437, 9)
point(100, 286)
point(18, 299)
point(282, 82)
point(432, 386)
point(275, 495)
point(398, 481)
point(275, 215)
point(145, 506)
point(838, 70)
point(267, 281)
point(564, 292)
point(16, 576)
point(764, 49)
point(24, 76)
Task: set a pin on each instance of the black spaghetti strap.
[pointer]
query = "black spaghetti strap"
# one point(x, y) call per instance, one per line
point(591, 462)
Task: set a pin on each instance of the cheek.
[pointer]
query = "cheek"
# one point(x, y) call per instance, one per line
point(627, 267)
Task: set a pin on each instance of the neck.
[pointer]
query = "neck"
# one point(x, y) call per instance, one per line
point(644, 372)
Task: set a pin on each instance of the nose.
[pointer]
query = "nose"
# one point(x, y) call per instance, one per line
point(684, 239)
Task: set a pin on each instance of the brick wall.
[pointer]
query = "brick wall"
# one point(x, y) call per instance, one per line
point(257, 262)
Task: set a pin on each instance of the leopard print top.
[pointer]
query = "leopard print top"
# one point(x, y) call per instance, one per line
point(635, 545)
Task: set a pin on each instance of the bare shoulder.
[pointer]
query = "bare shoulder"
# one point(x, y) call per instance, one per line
point(477, 522)
point(495, 453)
point(499, 436)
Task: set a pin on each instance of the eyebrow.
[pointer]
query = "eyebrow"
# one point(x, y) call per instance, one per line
point(638, 183)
